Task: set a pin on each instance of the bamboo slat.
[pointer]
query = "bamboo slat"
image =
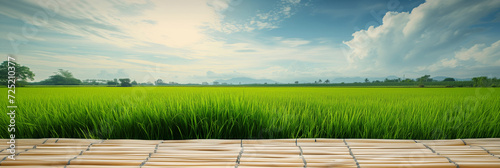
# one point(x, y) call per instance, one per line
point(282, 153)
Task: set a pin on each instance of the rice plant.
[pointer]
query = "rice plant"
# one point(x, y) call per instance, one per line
point(255, 112)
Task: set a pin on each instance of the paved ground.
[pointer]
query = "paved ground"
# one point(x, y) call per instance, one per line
point(284, 153)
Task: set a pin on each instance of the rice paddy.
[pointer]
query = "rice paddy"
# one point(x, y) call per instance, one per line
point(255, 112)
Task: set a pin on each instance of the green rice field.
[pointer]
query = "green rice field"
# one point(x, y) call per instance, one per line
point(254, 112)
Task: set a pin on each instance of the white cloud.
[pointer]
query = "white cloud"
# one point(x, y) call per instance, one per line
point(74, 61)
point(264, 20)
point(444, 63)
point(452, 63)
point(120, 73)
point(175, 24)
point(428, 35)
point(144, 62)
point(45, 63)
point(481, 53)
point(130, 23)
point(294, 1)
point(478, 56)
point(219, 5)
point(425, 40)
point(294, 42)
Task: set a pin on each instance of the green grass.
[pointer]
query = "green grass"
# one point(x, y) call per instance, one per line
point(254, 112)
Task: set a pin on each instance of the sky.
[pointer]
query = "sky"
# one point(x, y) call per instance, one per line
point(194, 41)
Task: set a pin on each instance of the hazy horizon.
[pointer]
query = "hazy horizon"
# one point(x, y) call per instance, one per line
point(196, 41)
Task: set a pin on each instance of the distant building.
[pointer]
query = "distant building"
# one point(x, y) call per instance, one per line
point(216, 83)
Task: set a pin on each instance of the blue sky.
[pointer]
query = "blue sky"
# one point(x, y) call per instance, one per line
point(193, 41)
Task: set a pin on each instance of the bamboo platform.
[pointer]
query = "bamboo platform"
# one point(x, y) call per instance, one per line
point(282, 153)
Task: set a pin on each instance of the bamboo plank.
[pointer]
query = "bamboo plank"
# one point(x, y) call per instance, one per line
point(283, 153)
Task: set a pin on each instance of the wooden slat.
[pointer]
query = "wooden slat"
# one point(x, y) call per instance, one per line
point(283, 153)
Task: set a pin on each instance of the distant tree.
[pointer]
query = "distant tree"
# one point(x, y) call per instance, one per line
point(134, 82)
point(367, 81)
point(495, 82)
point(159, 82)
point(425, 78)
point(125, 82)
point(146, 83)
point(480, 81)
point(61, 77)
point(327, 81)
point(391, 80)
point(112, 83)
point(22, 74)
point(296, 82)
point(65, 73)
point(408, 80)
point(93, 82)
point(319, 81)
point(449, 80)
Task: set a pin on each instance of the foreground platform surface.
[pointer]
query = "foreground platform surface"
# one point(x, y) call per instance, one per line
point(283, 153)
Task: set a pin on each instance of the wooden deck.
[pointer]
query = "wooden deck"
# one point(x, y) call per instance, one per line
point(283, 153)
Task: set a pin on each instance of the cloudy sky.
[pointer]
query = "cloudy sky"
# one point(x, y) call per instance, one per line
point(192, 41)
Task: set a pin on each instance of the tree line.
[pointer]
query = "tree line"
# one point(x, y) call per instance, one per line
point(64, 77)
point(61, 77)
point(422, 81)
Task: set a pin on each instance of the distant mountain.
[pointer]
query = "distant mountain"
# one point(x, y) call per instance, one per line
point(463, 79)
point(347, 80)
point(441, 78)
point(360, 79)
point(392, 77)
point(245, 80)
